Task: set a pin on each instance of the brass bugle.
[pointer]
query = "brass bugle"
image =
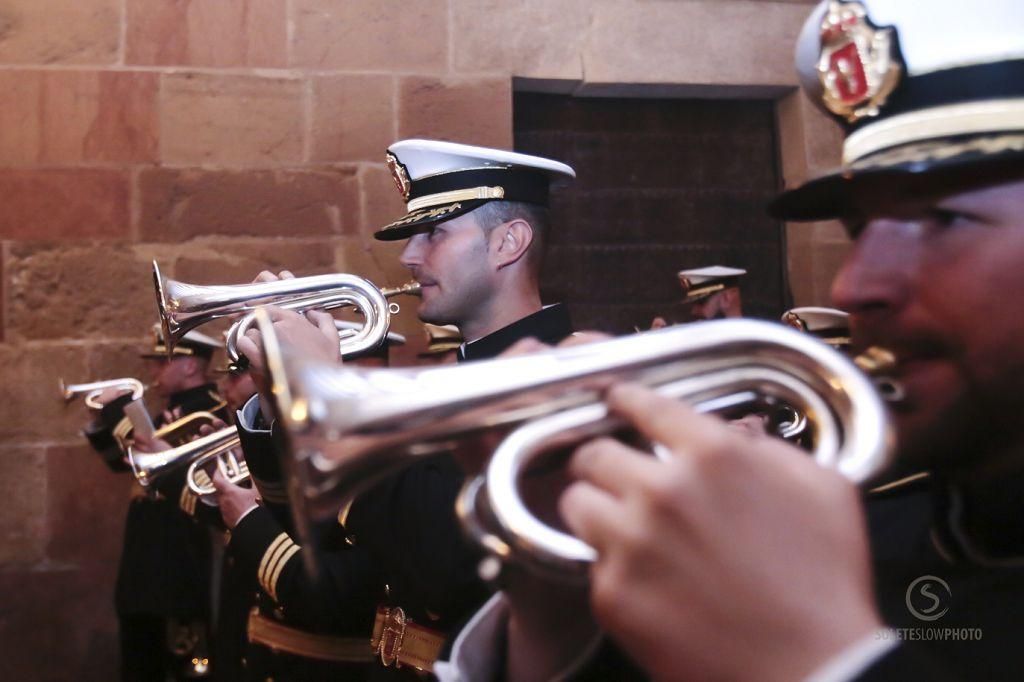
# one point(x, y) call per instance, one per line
point(93, 390)
point(183, 307)
point(149, 468)
point(346, 428)
point(322, 302)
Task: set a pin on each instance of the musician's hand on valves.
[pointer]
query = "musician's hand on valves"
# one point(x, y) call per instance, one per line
point(215, 425)
point(233, 500)
point(311, 333)
point(738, 558)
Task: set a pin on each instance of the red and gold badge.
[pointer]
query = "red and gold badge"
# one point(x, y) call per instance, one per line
point(400, 176)
point(858, 66)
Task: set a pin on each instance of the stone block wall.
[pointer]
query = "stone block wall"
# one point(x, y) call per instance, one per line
point(222, 137)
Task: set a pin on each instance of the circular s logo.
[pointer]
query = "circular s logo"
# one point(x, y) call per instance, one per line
point(928, 598)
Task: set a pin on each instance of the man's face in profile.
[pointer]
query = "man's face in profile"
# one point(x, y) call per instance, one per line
point(938, 280)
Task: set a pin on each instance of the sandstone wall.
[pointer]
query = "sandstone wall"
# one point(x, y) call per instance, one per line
point(226, 136)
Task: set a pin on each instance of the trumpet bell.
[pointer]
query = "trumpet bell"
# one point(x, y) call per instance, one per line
point(348, 428)
point(93, 390)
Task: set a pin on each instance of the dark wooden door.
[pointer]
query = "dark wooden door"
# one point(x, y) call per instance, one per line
point(662, 185)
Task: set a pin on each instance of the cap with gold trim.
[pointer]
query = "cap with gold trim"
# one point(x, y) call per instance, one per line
point(921, 88)
point(699, 283)
point(442, 180)
point(830, 325)
point(192, 344)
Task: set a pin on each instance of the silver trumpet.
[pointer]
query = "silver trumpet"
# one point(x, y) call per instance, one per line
point(150, 468)
point(93, 390)
point(347, 428)
point(184, 307)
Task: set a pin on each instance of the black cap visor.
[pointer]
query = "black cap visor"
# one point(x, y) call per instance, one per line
point(424, 219)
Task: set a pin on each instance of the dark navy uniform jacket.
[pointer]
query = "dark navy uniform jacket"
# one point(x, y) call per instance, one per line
point(911, 538)
point(165, 561)
point(411, 552)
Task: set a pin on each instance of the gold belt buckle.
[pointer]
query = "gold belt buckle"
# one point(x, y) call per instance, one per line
point(390, 645)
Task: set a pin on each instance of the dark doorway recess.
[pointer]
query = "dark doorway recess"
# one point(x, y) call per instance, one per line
point(662, 185)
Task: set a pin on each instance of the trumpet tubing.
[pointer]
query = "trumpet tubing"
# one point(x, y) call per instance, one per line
point(348, 427)
point(93, 390)
point(183, 307)
point(351, 343)
point(149, 468)
point(222, 456)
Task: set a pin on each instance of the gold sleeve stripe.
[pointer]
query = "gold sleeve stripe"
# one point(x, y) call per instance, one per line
point(267, 580)
point(276, 575)
point(268, 556)
point(271, 559)
point(187, 501)
point(123, 428)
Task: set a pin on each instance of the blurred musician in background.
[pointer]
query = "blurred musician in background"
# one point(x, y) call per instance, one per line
point(163, 584)
point(709, 293)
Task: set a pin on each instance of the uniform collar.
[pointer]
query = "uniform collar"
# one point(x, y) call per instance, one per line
point(550, 324)
point(982, 527)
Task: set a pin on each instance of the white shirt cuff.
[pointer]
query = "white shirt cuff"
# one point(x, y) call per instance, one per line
point(856, 658)
point(247, 415)
point(478, 650)
point(477, 653)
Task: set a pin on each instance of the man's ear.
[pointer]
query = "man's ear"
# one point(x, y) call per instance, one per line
point(191, 366)
point(732, 299)
point(511, 241)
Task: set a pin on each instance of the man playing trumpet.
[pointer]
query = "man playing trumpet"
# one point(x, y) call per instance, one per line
point(163, 584)
point(475, 224)
point(743, 560)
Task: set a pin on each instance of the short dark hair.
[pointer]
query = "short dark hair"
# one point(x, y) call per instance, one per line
point(495, 213)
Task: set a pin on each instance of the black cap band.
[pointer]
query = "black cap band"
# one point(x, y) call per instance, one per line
point(519, 185)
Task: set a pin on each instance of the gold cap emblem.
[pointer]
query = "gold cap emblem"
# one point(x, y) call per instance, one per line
point(400, 176)
point(858, 66)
